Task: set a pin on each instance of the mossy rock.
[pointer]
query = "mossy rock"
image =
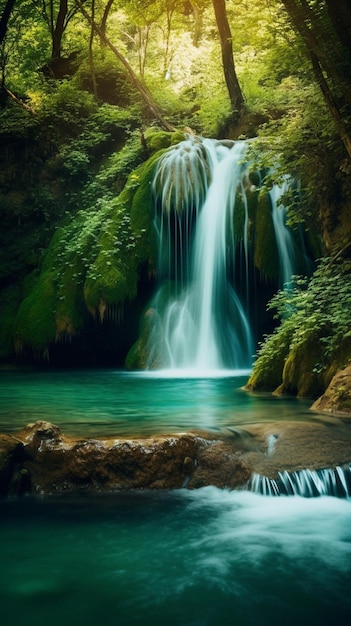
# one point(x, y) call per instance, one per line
point(178, 136)
point(239, 218)
point(300, 377)
point(266, 257)
point(92, 264)
point(157, 139)
point(148, 352)
point(340, 359)
point(142, 211)
point(113, 286)
point(267, 373)
point(34, 326)
point(69, 312)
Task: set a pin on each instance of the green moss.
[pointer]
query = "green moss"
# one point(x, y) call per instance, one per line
point(112, 287)
point(69, 312)
point(300, 377)
point(142, 211)
point(157, 139)
point(267, 373)
point(149, 350)
point(341, 358)
point(178, 136)
point(266, 253)
point(34, 326)
point(239, 218)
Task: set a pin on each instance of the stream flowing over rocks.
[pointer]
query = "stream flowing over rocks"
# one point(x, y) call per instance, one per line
point(41, 459)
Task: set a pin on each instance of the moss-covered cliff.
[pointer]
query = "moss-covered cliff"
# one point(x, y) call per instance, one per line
point(92, 267)
point(313, 340)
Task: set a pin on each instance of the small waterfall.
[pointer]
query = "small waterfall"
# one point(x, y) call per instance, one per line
point(306, 483)
point(201, 318)
point(285, 244)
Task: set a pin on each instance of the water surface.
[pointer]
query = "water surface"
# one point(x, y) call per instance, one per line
point(204, 558)
point(110, 402)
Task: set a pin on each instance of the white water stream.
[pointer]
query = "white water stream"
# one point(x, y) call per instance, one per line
point(205, 326)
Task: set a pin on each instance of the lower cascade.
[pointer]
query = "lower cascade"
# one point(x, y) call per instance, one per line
point(306, 483)
point(220, 232)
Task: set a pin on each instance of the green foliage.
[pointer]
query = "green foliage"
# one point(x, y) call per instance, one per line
point(304, 145)
point(91, 264)
point(267, 373)
point(314, 332)
point(113, 85)
point(16, 122)
point(64, 109)
point(34, 326)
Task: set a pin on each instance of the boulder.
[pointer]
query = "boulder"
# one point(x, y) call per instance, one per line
point(56, 462)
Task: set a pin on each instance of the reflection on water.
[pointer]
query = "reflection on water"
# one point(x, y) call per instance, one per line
point(119, 403)
point(206, 557)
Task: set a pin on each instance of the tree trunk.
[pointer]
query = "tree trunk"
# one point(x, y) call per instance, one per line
point(225, 35)
point(107, 9)
point(140, 87)
point(328, 75)
point(59, 29)
point(198, 23)
point(5, 18)
point(331, 103)
point(91, 58)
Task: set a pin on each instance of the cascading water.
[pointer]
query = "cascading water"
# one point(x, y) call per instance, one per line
point(306, 483)
point(220, 235)
point(203, 323)
point(285, 243)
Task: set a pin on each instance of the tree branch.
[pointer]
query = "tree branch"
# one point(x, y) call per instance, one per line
point(140, 87)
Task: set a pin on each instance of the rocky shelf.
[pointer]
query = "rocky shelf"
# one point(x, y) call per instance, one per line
point(41, 459)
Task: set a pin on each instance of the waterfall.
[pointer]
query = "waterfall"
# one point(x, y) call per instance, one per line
point(307, 483)
point(208, 224)
point(283, 235)
point(202, 324)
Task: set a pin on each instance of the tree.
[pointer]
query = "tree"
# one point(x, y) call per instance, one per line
point(225, 35)
point(5, 18)
point(4, 92)
point(57, 19)
point(141, 88)
point(324, 38)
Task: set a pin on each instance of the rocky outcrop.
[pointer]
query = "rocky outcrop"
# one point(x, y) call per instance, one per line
point(53, 462)
point(40, 459)
point(337, 397)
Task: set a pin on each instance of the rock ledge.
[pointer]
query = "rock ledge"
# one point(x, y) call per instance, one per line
point(41, 459)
